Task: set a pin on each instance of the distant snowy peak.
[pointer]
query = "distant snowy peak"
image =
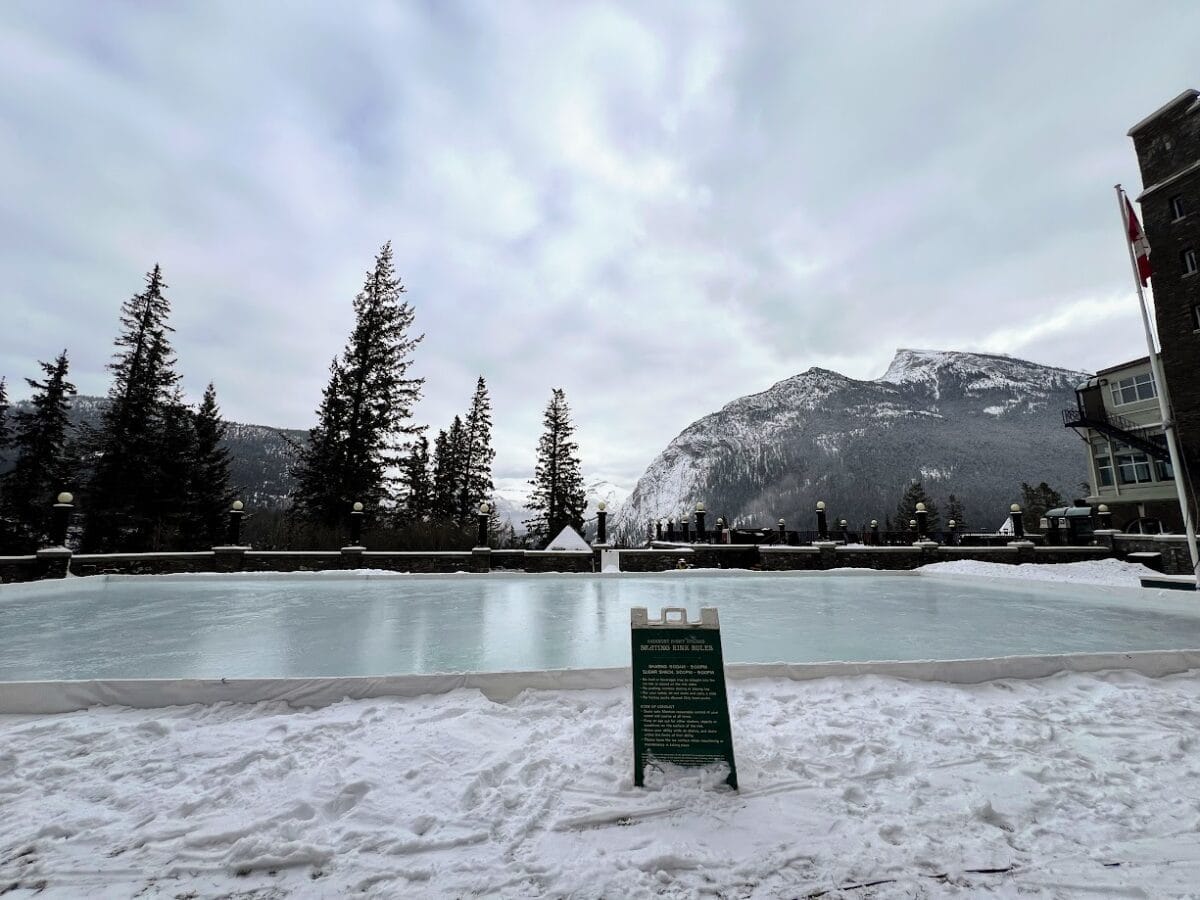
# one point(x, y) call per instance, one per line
point(974, 373)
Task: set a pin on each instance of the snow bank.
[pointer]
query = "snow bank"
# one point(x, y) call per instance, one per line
point(1112, 572)
point(1068, 786)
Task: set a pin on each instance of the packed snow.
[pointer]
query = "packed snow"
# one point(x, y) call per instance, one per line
point(1113, 572)
point(1073, 785)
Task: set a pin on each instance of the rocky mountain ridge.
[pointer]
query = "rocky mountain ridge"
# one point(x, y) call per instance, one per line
point(971, 424)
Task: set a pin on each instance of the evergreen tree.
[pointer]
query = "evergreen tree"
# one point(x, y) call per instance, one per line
point(1035, 501)
point(450, 451)
point(557, 499)
point(209, 494)
point(126, 451)
point(44, 464)
point(5, 428)
point(415, 484)
point(476, 476)
point(954, 510)
point(906, 509)
point(364, 418)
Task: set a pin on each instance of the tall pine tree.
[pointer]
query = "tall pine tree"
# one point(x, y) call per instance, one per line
point(127, 452)
point(209, 494)
point(364, 421)
point(557, 499)
point(44, 462)
point(478, 454)
point(5, 428)
point(906, 509)
point(450, 451)
point(415, 485)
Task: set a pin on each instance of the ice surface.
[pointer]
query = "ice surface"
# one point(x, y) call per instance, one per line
point(319, 626)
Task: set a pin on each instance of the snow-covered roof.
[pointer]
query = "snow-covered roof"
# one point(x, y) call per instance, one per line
point(1189, 94)
point(568, 539)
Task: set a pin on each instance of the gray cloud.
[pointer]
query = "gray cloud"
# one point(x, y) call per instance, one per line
point(658, 207)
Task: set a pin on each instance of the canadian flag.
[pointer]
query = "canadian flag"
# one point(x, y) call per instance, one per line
point(1141, 246)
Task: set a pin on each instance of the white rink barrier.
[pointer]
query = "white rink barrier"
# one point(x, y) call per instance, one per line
point(44, 697)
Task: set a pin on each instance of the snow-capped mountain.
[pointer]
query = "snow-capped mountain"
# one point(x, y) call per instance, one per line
point(971, 424)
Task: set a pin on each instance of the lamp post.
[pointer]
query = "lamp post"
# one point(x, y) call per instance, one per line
point(952, 525)
point(845, 531)
point(671, 530)
point(1104, 516)
point(61, 519)
point(912, 525)
point(601, 522)
point(720, 529)
point(875, 532)
point(822, 525)
point(658, 529)
point(481, 539)
point(701, 533)
point(233, 535)
point(922, 521)
point(782, 531)
point(686, 525)
point(1018, 522)
point(356, 520)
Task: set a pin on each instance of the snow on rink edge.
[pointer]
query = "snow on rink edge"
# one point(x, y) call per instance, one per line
point(1065, 786)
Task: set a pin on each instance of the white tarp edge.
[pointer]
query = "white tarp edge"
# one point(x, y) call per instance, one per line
point(39, 697)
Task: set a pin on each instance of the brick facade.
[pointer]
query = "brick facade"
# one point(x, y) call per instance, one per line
point(1168, 151)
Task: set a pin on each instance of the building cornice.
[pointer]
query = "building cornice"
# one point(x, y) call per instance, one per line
point(1189, 94)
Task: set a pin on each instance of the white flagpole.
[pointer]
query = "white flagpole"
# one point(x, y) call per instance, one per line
point(1164, 406)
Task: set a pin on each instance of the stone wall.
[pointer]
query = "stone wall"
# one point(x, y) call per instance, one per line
point(1176, 559)
point(821, 557)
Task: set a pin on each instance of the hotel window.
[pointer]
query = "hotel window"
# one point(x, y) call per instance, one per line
point(1133, 389)
point(1187, 259)
point(1133, 467)
point(1162, 467)
point(1178, 210)
point(1104, 467)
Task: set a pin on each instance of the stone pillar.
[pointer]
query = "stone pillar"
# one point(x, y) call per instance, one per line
point(1103, 516)
point(828, 554)
point(687, 525)
point(481, 559)
point(352, 557)
point(53, 562)
point(701, 532)
point(950, 534)
point(782, 526)
point(844, 525)
point(229, 559)
point(671, 530)
point(822, 524)
point(61, 519)
point(875, 532)
point(602, 523)
point(233, 533)
point(922, 521)
point(481, 521)
point(356, 519)
point(658, 530)
point(1017, 520)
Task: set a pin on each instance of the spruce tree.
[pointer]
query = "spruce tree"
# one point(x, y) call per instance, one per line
point(477, 453)
point(415, 485)
point(44, 463)
point(450, 451)
point(1035, 501)
point(5, 427)
point(127, 465)
point(364, 422)
point(209, 494)
point(557, 498)
point(906, 509)
point(954, 510)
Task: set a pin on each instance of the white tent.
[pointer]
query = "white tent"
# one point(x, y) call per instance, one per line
point(568, 539)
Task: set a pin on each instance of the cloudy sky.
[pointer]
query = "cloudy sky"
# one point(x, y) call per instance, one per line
point(656, 206)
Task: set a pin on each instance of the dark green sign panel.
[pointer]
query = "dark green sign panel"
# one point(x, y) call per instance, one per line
point(680, 709)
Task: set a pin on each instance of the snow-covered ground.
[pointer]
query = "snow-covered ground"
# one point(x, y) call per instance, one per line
point(1093, 571)
point(1074, 785)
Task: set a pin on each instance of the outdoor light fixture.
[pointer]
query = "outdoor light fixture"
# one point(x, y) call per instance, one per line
point(357, 507)
point(1016, 507)
point(781, 522)
point(874, 523)
point(602, 506)
point(920, 507)
point(699, 507)
point(237, 506)
point(1103, 507)
point(820, 504)
point(952, 523)
point(66, 497)
point(484, 508)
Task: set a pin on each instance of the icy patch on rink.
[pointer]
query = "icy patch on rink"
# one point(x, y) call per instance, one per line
point(1071, 785)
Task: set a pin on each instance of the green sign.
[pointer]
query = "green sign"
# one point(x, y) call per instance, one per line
point(680, 709)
